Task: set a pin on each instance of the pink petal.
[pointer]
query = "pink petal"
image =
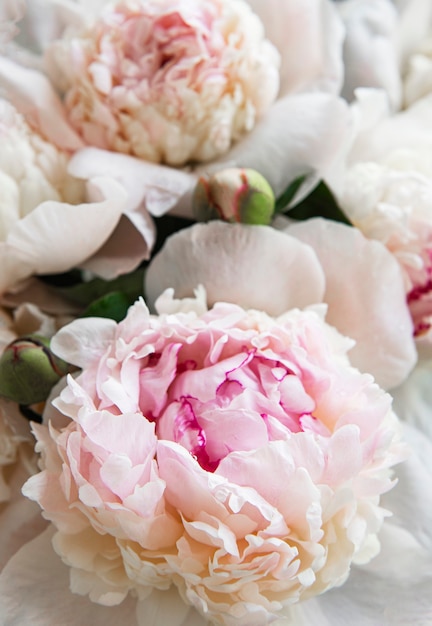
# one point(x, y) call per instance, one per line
point(253, 266)
point(365, 297)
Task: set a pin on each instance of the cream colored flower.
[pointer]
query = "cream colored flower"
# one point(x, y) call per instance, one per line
point(32, 171)
point(167, 80)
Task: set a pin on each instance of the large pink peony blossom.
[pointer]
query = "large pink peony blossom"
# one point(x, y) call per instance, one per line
point(311, 262)
point(167, 80)
point(235, 457)
point(185, 91)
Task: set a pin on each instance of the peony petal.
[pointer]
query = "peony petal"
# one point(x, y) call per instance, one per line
point(57, 236)
point(34, 97)
point(366, 298)
point(34, 589)
point(415, 19)
point(154, 188)
point(380, 133)
point(299, 134)
point(225, 257)
point(309, 38)
point(394, 589)
point(34, 291)
point(83, 340)
point(412, 401)
point(20, 521)
point(168, 609)
point(125, 248)
point(370, 53)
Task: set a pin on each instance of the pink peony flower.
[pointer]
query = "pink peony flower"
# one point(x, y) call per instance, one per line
point(394, 207)
point(312, 262)
point(168, 81)
point(216, 85)
point(235, 457)
point(386, 192)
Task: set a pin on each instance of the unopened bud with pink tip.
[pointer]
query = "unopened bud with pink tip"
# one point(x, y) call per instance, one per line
point(234, 195)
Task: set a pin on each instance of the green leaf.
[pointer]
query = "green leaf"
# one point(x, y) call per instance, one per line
point(319, 203)
point(113, 305)
point(283, 201)
point(84, 293)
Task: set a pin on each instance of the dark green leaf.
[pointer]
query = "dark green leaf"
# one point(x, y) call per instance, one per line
point(84, 293)
point(113, 305)
point(283, 201)
point(319, 203)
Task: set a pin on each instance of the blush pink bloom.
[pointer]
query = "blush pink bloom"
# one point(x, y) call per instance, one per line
point(386, 191)
point(394, 207)
point(210, 73)
point(312, 262)
point(168, 80)
point(230, 455)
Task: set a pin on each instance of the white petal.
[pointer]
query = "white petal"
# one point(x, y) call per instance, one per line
point(370, 54)
point(300, 134)
point(33, 95)
point(394, 589)
point(168, 609)
point(414, 24)
point(83, 340)
point(153, 188)
point(34, 589)
point(366, 298)
point(20, 521)
point(125, 248)
point(381, 133)
point(308, 35)
point(253, 266)
point(57, 236)
point(412, 401)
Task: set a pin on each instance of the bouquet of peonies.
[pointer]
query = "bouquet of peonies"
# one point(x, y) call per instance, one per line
point(215, 312)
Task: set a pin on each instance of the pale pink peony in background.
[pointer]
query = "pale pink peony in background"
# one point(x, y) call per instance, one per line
point(168, 80)
point(233, 455)
point(386, 191)
point(394, 207)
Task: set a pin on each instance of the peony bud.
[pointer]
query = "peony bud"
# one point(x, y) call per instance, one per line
point(234, 195)
point(29, 370)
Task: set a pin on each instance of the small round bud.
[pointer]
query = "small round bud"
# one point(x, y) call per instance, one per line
point(234, 195)
point(29, 370)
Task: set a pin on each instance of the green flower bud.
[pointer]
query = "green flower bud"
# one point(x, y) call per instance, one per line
point(29, 370)
point(234, 195)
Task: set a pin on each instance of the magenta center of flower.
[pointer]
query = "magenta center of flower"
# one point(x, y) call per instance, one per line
point(238, 403)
